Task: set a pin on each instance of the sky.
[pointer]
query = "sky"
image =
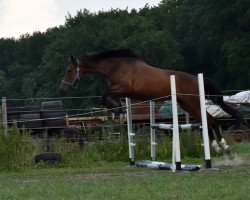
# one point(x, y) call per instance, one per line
point(18, 17)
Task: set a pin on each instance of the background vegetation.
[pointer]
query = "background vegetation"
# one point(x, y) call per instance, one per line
point(211, 37)
point(16, 150)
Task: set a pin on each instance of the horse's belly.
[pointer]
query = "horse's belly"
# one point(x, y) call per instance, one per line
point(152, 89)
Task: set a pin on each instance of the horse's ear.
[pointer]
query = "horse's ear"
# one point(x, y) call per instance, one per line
point(73, 60)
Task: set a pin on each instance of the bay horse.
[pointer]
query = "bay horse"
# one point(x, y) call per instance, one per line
point(129, 76)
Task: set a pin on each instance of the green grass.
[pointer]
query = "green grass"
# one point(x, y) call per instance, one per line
point(120, 182)
point(100, 171)
point(115, 180)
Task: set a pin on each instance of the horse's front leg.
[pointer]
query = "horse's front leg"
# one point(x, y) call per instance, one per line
point(103, 100)
point(111, 102)
point(107, 94)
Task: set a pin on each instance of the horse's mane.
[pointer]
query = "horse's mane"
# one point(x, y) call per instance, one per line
point(111, 54)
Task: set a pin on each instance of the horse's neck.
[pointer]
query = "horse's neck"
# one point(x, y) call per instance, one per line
point(107, 67)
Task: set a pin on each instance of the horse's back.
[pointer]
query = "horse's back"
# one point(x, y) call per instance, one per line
point(151, 82)
point(185, 82)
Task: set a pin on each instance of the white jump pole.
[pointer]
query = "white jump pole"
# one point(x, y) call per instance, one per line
point(176, 155)
point(152, 131)
point(204, 121)
point(131, 143)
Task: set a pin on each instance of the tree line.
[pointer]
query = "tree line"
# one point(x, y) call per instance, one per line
point(210, 37)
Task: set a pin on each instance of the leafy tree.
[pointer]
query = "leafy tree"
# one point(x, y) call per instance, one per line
point(3, 83)
point(211, 37)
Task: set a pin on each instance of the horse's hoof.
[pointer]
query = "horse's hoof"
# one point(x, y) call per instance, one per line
point(219, 151)
point(227, 152)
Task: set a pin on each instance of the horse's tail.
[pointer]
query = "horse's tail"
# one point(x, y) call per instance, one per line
point(214, 93)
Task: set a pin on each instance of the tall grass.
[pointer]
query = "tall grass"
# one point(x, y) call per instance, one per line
point(15, 152)
point(116, 149)
point(16, 149)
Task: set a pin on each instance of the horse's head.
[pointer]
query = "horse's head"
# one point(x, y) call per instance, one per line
point(72, 76)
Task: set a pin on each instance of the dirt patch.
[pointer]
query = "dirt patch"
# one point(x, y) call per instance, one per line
point(232, 161)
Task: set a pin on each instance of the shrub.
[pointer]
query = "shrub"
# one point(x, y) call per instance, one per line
point(15, 149)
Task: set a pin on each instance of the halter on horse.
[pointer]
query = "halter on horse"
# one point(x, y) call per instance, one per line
point(129, 76)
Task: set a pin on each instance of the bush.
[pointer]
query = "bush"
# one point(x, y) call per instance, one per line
point(15, 149)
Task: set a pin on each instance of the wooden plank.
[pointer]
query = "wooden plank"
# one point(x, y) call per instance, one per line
point(87, 120)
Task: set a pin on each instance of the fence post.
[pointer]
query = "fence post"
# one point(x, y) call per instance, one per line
point(187, 121)
point(4, 110)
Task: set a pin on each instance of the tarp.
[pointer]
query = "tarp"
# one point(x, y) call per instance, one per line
point(212, 109)
point(215, 110)
point(239, 98)
point(166, 110)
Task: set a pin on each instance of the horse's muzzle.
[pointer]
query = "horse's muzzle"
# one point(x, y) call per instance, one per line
point(63, 88)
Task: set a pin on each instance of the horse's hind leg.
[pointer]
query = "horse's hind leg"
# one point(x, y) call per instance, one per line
point(189, 106)
point(214, 143)
point(222, 141)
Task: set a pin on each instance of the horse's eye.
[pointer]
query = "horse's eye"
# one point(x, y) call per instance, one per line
point(69, 70)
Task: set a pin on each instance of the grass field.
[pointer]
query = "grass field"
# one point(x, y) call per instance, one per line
point(116, 180)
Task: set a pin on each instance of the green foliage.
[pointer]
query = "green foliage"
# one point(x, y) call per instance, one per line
point(15, 150)
point(115, 149)
point(236, 51)
point(211, 37)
